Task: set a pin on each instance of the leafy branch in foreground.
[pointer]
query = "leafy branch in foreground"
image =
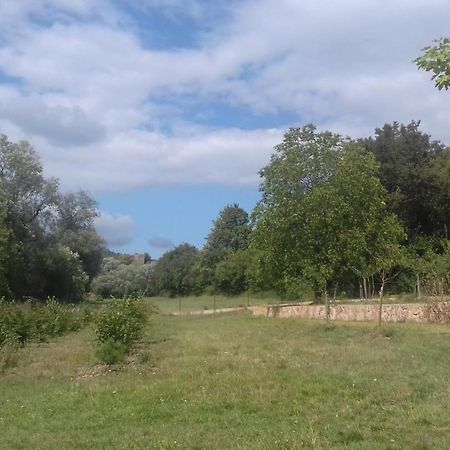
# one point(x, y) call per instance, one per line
point(436, 59)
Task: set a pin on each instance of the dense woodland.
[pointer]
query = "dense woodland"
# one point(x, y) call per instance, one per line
point(337, 217)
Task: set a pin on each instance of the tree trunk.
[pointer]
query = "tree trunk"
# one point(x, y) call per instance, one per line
point(327, 307)
point(418, 288)
point(365, 288)
point(380, 310)
point(360, 290)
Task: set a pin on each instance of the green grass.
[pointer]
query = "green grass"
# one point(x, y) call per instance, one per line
point(235, 382)
point(206, 302)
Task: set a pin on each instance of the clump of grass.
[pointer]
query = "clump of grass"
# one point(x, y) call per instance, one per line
point(8, 354)
point(111, 351)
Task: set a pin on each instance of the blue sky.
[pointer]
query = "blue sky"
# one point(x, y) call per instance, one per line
point(165, 110)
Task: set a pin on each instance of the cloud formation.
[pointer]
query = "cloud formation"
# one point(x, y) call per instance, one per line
point(117, 230)
point(110, 110)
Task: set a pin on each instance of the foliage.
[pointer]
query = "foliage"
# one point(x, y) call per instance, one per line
point(122, 321)
point(229, 234)
point(34, 321)
point(173, 271)
point(111, 351)
point(231, 273)
point(412, 170)
point(44, 229)
point(436, 59)
point(436, 271)
point(64, 275)
point(8, 253)
point(119, 279)
point(322, 214)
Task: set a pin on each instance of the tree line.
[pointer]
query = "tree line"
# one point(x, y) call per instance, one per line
point(336, 217)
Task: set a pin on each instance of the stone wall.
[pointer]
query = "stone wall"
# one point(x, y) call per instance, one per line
point(411, 312)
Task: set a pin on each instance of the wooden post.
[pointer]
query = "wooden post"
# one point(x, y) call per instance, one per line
point(380, 310)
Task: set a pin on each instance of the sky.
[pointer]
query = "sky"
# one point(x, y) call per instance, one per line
point(165, 110)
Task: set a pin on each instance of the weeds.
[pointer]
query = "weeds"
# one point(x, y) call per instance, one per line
point(33, 321)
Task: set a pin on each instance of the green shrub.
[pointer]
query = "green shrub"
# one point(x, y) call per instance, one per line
point(32, 321)
point(121, 321)
point(111, 351)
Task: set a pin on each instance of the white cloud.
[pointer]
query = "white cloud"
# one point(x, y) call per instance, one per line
point(117, 230)
point(140, 158)
point(90, 90)
point(59, 124)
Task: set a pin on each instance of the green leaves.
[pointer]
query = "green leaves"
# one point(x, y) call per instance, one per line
point(436, 59)
point(122, 321)
point(323, 212)
point(51, 246)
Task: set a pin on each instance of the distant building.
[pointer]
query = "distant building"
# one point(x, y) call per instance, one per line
point(141, 258)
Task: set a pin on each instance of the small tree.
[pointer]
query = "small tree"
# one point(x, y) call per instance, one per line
point(230, 276)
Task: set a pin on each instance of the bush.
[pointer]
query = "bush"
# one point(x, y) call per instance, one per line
point(33, 321)
point(111, 351)
point(122, 321)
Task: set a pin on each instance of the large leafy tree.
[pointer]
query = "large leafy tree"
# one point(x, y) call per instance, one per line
point(53, 232)
point(300, 164)
point(323, 213)
point(408, 163)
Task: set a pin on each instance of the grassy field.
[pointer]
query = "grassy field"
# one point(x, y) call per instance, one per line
point(234, 382)
point(209, 302)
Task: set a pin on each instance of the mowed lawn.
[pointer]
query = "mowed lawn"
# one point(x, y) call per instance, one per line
point(235, 382)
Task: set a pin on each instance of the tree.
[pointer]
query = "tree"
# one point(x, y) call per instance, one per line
point(436, 59)
point(63, 274)
point(407, 157)
point(119, 279)
point(323, 211)
point(303, 162)
point(46, 227)
point(229, 234)
point(172, 273)
point(8, 252)
point(230, 277)
point(75, 229)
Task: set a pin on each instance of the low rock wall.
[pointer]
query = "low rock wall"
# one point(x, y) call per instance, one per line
point(408, 312)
